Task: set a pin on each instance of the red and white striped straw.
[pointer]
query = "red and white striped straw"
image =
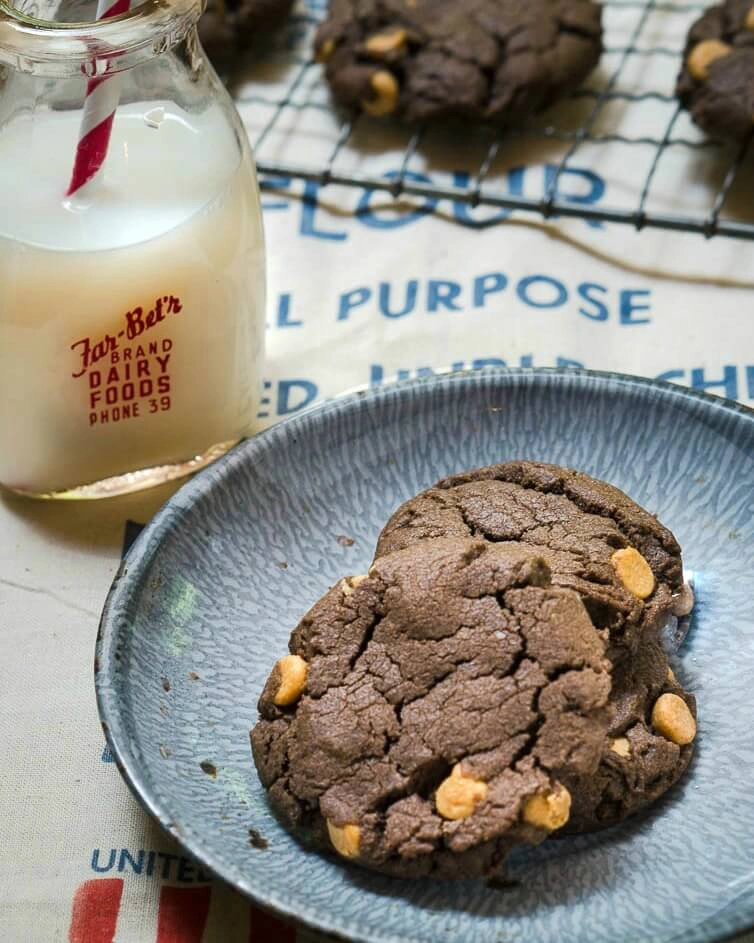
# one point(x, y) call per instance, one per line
point(102, 94)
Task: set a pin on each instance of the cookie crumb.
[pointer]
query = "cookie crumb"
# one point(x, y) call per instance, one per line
point(345, 541)
point(193, 676)
point(209, 768)
point(257, 840)
point(165, 684)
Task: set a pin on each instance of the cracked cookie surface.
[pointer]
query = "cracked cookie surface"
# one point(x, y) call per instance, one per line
point(716, 81)
point(448, 698)
point(594, 538)
point(640, 762)
point(496, 61)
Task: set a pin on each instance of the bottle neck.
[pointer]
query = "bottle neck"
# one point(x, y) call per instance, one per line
point(57, 48)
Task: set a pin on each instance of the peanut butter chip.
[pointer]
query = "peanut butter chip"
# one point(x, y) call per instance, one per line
point(704, 54)
point(621, 746)
point(548, 810)
point(458, 795)
point(383, 44)
point(349, 584)
point(325, 51)
point(634, 572)
point(293, 671)
point(672, 718)
point(671, 677)
point(385, 90)
point(345, 839)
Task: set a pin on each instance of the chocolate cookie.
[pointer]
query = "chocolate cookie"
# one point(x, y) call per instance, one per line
point(716, 82)
point(429, 713)
point(485, 60)
point(651, 733)
point(227, 27)
point(622, 562)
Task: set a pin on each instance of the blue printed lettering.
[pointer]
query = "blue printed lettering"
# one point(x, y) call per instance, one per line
point(274, 183)
point(369, 217)
point(377, 371)
point(463, 212)
point(169, 859)
point(125, 857)
point(143, 862)
point(352, 299)
point(670, 375)
point(419, 372)
point(698, 380)
point(729, 381)
point(587, 290)
point(412, 290)
point(400, 299)
point(482, 362)
point(525, 292)
point(442, 294)
point(284, 312)
point(309, 205)
point(628, 306)
point(574, 185)
point(594, 194)
point(293, 395)
point(110, 862)
point(487, 285)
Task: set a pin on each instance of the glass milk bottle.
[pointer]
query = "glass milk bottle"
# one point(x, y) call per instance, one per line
point(131, 250)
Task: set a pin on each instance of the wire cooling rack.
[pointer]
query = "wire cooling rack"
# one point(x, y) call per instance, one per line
point(665, 173)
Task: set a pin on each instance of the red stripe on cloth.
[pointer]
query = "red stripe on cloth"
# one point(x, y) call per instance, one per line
point(90, 154)
point(183, 914)
point(95, 911)
point(264, 928)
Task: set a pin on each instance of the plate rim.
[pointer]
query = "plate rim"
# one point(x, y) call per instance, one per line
point(191, 490)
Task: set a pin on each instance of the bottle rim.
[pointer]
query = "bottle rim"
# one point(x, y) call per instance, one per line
point(54, 48)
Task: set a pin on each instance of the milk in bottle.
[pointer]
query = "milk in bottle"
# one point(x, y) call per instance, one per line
point(131, 313)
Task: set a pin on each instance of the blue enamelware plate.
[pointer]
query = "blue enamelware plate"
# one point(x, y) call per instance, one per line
point(209, 593)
